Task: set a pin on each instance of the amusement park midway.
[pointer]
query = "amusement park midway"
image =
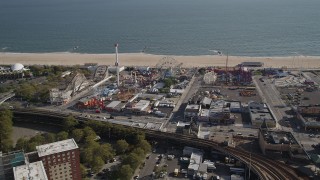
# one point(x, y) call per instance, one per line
point(142, 59)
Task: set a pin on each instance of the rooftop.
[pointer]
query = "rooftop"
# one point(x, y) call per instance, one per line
point(235, 104)
point(15, 158)
point(113, 104)
point(259, 112)
point(279, 137)
point(182, 124)
point(33, 171)
point(56, 147)
point(151, 97)
point(206, 100)
point(204, 112)
point(195, 161)
point(252, 64)
point(192, 106)
point(260, 116)
point(217, 104)
point(141, 105)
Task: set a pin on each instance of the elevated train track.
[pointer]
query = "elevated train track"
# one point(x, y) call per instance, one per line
point(266, 169)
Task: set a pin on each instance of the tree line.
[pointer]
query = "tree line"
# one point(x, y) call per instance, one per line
point(116, 140)
point(39, 92)
point(5, 130)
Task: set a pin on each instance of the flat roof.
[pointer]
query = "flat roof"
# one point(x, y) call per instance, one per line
point(179, 91)
point(113, 104)
point(278, 137)
point(204, 112)
point(195, 167)
point(182, 124)
point(257, 105)
point(206, 100)
point(196, 158)
point(155, 126)
point(56, 147)
point(252, 63)
point(257, 116)
point(152, 97)
point(192, 106)
point(141, 105)
point(34, 171)
point(234, 104)
point(217, 104)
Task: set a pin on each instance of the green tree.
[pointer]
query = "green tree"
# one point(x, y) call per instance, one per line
point(31, 146)
point(202, 71)
point(44, 93)
point(145, 146)
point(5, 130)
point(50, 137)
point(38, 139)
point(26, 91)
point(121, 146)
point(62, 136)
point(87, 155)
point(6, 145)
point(69, 123)
point(139, 138)
point(83, 170)
point(89, 132)
point(105, 151)
point(138, 151)
point(168, 82)
point(133, 160)
point(97, 163)
point(57, 69)
point(22, 144)
point(125, 172)
point(77, 135)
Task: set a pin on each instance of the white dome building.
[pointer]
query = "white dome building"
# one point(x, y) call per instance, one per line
point(17, 67)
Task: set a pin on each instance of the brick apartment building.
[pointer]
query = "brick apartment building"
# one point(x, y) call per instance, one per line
point(61, 160)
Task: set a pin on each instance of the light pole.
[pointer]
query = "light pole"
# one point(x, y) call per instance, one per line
point(296, 54)
point(250, 161)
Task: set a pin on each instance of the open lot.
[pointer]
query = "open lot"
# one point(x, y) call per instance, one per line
point(305, 97)
point(28, 130)
point(314, 76)
point(230, 94)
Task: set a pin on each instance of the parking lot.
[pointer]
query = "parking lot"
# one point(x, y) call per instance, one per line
point(302, 98)
point(160, 160)
point(106, 170)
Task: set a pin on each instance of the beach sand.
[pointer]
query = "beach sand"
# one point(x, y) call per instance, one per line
point(141, 59)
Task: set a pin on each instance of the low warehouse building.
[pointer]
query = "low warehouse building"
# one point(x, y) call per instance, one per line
point(259, 113)
point(279, 141)
point(141, 107)
point(192, 110)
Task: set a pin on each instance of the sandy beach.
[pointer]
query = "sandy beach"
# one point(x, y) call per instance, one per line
point(141, 59)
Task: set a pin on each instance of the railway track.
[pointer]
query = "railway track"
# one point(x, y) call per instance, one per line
point(265, 168)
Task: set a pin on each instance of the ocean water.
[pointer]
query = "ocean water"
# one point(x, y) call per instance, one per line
point(172, 27)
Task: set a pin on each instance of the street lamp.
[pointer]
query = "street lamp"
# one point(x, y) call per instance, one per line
point(250, 161)
point(296, 54)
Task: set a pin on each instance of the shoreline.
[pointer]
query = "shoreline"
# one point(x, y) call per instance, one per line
point(143, 59)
